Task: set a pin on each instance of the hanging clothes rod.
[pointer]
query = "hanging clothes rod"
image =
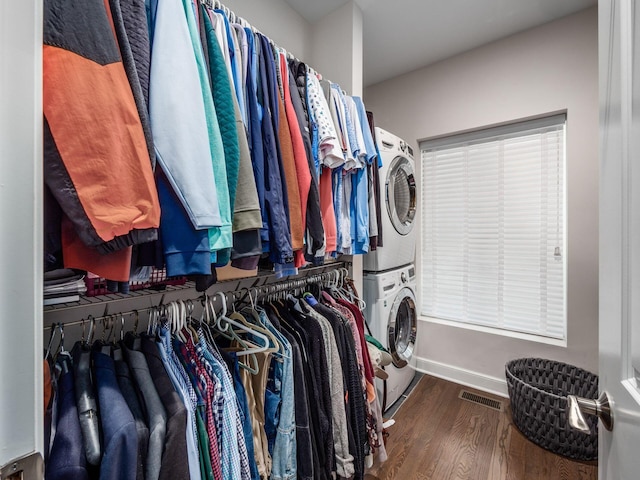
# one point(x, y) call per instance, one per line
point(233, 18)
point(334, 272)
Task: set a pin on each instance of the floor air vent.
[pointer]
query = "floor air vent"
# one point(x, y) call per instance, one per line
point(480, 400)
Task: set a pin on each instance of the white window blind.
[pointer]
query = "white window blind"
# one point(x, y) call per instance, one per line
point(493, 227)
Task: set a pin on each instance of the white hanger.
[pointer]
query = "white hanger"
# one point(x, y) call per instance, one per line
point(258, 325)
point(241, 327)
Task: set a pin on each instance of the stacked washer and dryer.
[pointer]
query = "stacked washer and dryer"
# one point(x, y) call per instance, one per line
point(389, 271)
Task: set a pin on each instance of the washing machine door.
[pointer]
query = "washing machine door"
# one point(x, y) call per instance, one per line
point(403, 327)
point(401, 194)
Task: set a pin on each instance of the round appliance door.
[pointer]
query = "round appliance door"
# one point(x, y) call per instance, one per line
point(403, 326)
point(401, 195)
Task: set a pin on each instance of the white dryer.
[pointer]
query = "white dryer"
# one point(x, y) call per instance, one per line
point(398, 198)
point(392, 315)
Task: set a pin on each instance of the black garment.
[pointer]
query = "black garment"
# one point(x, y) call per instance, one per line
point(376, 181)
point(299, 71)
point(320, 415)
point(319, 364)
point(356, 411)
point(134, 20)
point(314, 227)
point(67, 460)
point(52, 232)
point(371, 179)
point(132, 397)
point(317, 451)
point(246, 243)
point(175, 458)
point(129, 62)
point(203, 282)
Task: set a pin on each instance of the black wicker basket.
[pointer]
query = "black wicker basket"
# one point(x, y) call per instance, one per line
point(538, 391)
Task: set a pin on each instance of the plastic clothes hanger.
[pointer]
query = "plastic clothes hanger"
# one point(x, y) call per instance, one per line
point(202, 333)
point(278, 348)
point(209, 311)
point(189, 320)
point(253, 310)
point(184, 323)
point(230, 322)
point(205, 320)
point(361, 304)
point(271, 339)
point(254, 313)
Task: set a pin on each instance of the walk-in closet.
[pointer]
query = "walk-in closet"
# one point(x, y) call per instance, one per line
point(289, 239)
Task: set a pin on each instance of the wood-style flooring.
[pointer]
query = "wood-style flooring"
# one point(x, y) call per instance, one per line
point(441, 437)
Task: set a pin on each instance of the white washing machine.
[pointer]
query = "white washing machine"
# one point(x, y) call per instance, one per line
point(398, 198)
point(392, 315)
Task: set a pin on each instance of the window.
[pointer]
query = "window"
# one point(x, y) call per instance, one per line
point(493, 227)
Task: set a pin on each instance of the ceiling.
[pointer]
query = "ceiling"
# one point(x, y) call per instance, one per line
point(403, 35)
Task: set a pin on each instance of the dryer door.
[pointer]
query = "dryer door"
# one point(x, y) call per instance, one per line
point(403, 327)
point(401, 195)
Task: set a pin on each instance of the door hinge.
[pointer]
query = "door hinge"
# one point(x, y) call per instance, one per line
point(30, 467)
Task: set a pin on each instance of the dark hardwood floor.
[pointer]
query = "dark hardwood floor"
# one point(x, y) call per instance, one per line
point(441, 437)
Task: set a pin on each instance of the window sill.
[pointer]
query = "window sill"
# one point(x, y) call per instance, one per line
point(497, 331)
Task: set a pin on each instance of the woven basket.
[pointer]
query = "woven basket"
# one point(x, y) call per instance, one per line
point(538, 392)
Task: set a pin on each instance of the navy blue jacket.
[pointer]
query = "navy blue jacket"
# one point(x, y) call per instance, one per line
point(280, 247)
point(120, 452)
point(67, 459)
point(186, 249)
point(254, 113)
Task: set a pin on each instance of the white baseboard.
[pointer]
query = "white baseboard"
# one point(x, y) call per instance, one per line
point(468, 378)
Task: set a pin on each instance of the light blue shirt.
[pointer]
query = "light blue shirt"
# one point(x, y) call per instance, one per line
point(284, 464)
point(366, 131)
point(220, 237)
point(178, 117)
point(359, 212)
point(349, 123)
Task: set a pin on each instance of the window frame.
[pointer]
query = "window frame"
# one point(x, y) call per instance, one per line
point(482, 135)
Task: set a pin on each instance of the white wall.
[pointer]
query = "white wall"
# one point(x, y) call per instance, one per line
point(336, 50)
point(278, 21)
point(21, 245)
point(336, 53)
point(547, 69)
